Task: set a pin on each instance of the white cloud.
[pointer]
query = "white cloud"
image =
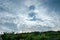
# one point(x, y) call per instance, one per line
point(17, 14)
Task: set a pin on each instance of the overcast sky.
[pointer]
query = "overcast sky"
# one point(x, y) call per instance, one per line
point(29, 15)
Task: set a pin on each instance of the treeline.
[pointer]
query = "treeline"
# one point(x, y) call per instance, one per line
point(50, 35)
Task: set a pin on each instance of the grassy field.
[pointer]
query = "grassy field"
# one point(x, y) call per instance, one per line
point(49, 35)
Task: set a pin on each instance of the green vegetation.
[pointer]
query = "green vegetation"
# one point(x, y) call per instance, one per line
point(50, 35)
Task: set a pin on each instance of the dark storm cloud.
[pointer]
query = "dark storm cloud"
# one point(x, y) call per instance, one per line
point(52, 5)
point(32, 7)
point(2, 9)
point(32, 14)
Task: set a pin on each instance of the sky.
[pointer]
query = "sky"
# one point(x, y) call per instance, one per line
point(29, 15)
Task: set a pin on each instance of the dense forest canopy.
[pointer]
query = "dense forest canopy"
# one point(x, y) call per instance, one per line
point(49, 35)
